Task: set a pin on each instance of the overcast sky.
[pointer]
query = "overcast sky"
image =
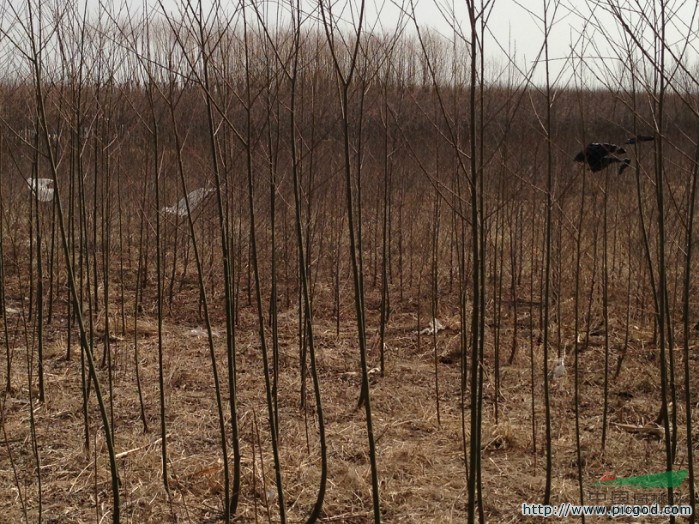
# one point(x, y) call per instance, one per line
point(515, 29)
point(580, 27)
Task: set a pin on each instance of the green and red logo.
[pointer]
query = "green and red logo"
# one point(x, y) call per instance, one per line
point(667, 479)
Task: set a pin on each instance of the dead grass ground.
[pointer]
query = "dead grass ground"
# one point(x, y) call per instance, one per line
point(420, 459)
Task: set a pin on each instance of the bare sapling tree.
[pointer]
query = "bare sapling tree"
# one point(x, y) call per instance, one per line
point(30, 22)
point(344, 58)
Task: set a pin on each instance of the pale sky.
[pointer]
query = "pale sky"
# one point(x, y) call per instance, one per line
point(580, 27)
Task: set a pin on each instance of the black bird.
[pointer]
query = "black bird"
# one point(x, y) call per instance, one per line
point(598, 156)
point(640, 138)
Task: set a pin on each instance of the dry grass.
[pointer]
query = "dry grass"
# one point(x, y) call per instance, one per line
point(423, 477)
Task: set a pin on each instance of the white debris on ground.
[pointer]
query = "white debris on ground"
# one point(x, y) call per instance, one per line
point(560, 370)
point(434, 327)
point(372, 374)
point(201, 332)
point(12, 311)
point(271, 495)
point(195, 198)
point(45, 188)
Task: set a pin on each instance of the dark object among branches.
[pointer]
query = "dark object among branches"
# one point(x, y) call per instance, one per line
point(640, 138)
point(599, 156)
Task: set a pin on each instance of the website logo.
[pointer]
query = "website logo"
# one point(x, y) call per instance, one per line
point(667, 479)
